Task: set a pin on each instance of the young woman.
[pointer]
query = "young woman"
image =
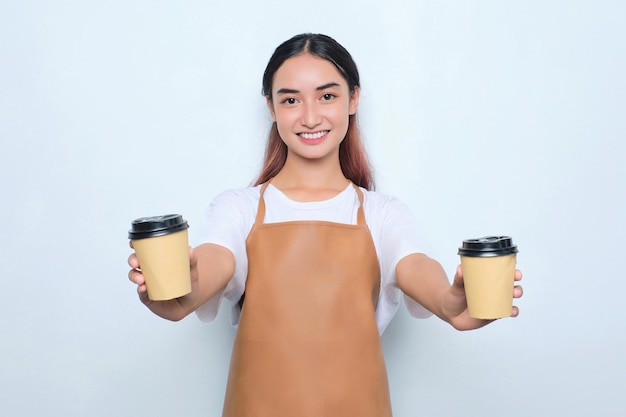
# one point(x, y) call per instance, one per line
point(311, 258)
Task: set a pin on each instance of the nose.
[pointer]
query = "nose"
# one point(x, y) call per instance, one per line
point(310, 115)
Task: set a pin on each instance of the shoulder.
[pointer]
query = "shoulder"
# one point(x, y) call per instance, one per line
point(385, 212)
point(376, 200)
point(235, 202)
point(237, 196)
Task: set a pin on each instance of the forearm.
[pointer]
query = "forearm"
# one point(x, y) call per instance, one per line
point(215, 266)
point(424, 280)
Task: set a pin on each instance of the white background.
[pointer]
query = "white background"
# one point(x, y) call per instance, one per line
point(486, 117)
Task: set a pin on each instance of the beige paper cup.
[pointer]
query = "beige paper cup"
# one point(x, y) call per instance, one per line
point(162, 247)
point(489, 275)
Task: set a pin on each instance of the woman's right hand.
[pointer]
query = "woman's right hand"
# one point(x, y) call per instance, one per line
point(175, 309)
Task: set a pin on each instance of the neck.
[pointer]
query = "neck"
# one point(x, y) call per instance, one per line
point(310, 180)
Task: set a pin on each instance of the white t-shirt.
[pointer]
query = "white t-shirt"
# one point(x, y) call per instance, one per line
point(231, 215)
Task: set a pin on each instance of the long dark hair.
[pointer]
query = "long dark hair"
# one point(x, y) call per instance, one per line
point(352, 156)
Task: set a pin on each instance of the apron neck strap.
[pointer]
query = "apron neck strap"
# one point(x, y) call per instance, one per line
point(260, 214)
point(360, 217)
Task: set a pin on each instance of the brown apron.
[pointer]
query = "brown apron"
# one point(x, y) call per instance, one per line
point(308, 343)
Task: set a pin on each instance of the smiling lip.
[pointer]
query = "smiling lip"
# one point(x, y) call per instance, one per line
point(313, 137)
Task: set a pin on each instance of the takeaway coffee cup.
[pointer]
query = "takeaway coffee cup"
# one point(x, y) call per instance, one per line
point(161, 245)
point(489, 274)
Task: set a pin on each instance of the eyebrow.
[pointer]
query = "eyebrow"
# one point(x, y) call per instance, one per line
point(320, 88)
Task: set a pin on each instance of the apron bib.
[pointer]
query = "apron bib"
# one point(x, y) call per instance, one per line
point(307, 344)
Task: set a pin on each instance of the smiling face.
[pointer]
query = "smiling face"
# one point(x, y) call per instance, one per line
point(311, 103)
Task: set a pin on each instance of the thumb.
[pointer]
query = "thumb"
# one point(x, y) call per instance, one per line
point(192, 257)
point(457, 283)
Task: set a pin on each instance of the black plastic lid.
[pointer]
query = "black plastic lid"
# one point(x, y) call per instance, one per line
point(145, 227)
point(488, 246)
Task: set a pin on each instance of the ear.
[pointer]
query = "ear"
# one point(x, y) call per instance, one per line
point(354, 100)
point(270, 107)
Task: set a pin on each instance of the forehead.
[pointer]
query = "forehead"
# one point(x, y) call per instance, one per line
point(306, 71)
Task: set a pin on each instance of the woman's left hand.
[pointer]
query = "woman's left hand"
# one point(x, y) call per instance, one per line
point(454, 303)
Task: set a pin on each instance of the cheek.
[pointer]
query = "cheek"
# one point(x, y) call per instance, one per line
point(286, 119)
point(341, 115)
point(281, 120)
point(283, 124)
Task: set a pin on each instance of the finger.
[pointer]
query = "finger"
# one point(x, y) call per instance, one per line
point(458, 287)
point(136, 277)
point(515, 311)
point(458, 276)
point(133, 262)
point(518, 291)
point(142, 291)
point(518, 275)
point(130, 243)
point(192, 257)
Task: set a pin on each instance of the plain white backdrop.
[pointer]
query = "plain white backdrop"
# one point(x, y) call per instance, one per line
point(486, 117)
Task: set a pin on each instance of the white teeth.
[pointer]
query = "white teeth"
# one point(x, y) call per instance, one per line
point(313, 135)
